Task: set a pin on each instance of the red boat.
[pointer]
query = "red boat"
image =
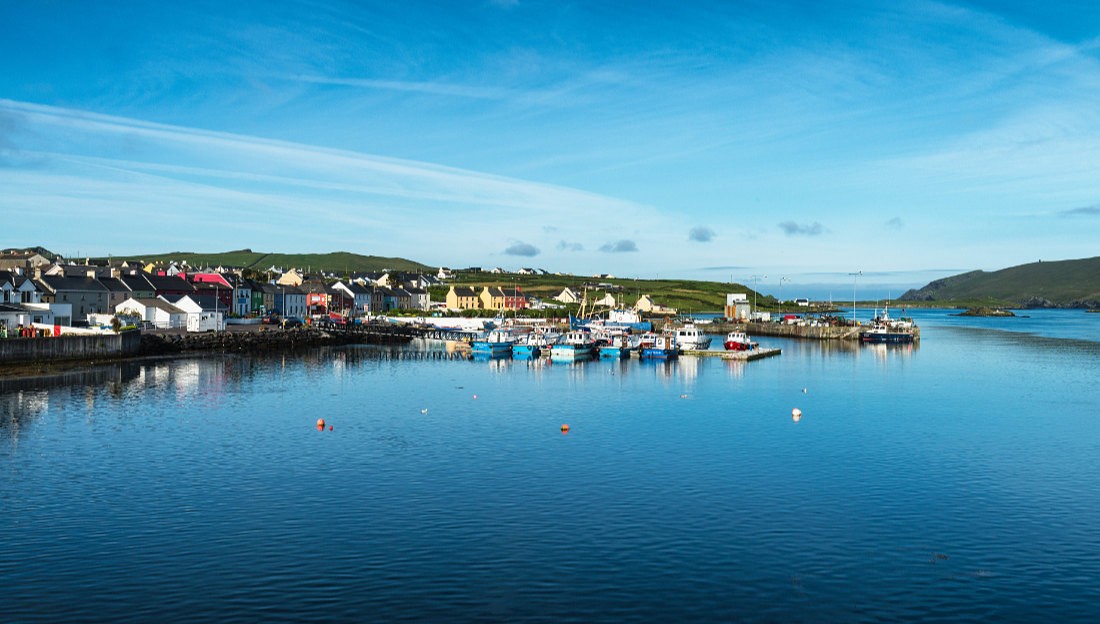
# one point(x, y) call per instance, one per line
point(738, 341)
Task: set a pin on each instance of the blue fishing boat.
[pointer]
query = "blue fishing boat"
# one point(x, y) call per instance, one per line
point(658, 346)
point(534, 344)
point(577, 344)
point(618, 347)
point(497, 343)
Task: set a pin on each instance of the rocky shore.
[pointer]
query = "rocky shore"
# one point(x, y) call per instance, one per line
point(982, 311)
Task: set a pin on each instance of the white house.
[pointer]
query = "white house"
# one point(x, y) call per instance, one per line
point(361, 295)
point(198, 319)
point(607, 300)
point(160, 313)
point(567, 295)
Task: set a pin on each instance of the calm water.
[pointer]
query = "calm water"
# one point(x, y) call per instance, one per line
point(953, 481)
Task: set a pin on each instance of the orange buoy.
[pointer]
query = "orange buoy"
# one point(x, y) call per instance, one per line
point(565, 428)
point(330, 427)
point(321, 423)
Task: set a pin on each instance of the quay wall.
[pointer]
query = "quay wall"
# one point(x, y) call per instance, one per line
point(754, 329)
point(70, 347)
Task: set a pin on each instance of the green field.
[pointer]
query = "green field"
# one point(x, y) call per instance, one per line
point(338, 262)
point(686, 296)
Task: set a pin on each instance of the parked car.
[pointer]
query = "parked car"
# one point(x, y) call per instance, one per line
point(292, 321)
point(271, 319)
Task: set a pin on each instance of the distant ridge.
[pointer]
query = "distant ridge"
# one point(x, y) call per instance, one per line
point(333, 262)
point(1059, 284)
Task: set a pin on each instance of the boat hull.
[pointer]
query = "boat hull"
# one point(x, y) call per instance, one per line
point(571, 353)
point(886, 337)
point(491, 349)
point(655, 353)
point(526, 351)
point(614, 353)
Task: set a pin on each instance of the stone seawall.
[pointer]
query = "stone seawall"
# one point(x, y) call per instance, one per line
point(795, 331)
point(70, 347)
point(257, 341)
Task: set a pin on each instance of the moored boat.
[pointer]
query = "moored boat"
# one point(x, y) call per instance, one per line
point(534, 344)
point(658, 346)
point(691, 338)
point(617, 347)
point(497, 343)
point(576, 344)
point(885, 330)
point(739, 341)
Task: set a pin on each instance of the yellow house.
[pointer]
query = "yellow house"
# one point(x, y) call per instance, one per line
point(290, 278)
point(462, 298)
point(496, 298)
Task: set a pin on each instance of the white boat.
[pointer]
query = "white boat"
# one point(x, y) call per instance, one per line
point(691, 338)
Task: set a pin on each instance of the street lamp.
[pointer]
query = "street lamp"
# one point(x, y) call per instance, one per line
point(781, 280)
point(756, 286)
point(855, 276)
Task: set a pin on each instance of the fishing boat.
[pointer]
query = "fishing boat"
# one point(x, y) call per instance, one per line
point(657, 346)
point(739, 341)
point(534, 344)
point(617, 318)
point(691, 338)
point(576, 344)
point(497, 343)
point(618, 347)
point(885, 330)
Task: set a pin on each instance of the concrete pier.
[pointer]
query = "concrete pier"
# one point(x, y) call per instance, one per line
point(743, 356)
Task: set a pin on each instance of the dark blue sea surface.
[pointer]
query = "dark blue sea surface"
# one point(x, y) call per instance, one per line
point(955, 480)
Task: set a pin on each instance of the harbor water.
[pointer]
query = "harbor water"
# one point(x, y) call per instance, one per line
point(952, 480)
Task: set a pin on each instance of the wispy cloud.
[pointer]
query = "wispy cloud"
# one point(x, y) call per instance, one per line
point(791, 228)
point(360, 201)
point(1089, 211)
point(619, 246)
point(567, 246)
point(895, 224)
point(431, 88)
point(522, 249)
point(701, 234)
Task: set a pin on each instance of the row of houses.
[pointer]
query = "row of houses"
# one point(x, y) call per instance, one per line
point(89, 290)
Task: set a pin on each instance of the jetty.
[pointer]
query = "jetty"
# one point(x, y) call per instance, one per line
point(741, 356)
point(810, 332)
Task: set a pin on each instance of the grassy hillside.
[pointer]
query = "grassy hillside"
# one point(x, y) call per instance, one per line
point(335, 262)
point(1069, 283)
point(685, 295)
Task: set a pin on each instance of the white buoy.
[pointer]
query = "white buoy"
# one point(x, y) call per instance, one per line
point(803, 391)
point(424, 411)
point(796, 414)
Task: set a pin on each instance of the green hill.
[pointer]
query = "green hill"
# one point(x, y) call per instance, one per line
point(335, 262)
point(1065, 284)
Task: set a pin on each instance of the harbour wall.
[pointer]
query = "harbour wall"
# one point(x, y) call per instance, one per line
point(826, 332)
point(70, 347)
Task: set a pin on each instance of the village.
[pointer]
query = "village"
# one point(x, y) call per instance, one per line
point(38, 292)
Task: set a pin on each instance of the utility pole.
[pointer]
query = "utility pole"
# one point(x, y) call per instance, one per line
point(855, 276)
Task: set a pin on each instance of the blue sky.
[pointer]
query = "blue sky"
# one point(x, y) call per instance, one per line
point(803, 141)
